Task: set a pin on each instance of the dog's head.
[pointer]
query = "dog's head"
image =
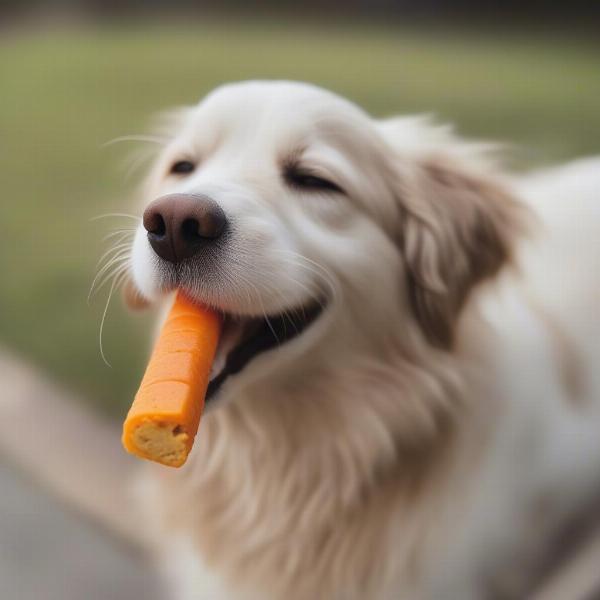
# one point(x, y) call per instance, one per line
point(278, 203)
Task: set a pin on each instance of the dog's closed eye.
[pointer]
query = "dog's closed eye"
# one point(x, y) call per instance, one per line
point(304, 180)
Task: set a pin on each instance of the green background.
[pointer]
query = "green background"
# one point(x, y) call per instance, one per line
point(64, 94)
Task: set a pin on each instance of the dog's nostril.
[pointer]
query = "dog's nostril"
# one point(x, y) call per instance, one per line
point(190, 229)
point(160, 228)
point(155, 224)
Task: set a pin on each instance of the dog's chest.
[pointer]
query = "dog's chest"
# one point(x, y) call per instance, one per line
point(190, 578)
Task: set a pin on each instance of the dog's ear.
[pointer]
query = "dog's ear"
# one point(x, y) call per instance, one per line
point(456, 229)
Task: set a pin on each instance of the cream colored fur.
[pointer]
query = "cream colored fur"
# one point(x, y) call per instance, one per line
point(440, 422)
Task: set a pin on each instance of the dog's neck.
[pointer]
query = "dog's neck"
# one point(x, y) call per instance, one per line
point(281, 468)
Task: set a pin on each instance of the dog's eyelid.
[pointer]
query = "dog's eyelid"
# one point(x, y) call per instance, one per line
point(309, 179)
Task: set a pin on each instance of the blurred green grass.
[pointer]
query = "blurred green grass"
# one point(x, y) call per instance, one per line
point(64, 94)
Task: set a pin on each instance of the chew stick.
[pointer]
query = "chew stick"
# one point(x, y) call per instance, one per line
point(164, 417)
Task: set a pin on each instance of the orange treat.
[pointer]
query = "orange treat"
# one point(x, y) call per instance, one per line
point(164, 417)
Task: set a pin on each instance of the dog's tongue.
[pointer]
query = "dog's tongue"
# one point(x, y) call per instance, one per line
point(165, 414)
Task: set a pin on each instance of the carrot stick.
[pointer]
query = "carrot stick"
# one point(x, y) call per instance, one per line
point(164, 417)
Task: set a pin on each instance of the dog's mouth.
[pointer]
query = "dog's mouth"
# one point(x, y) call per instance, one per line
point(245, 338)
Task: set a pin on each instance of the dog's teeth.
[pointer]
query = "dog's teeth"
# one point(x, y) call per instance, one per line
point(218, 364)
point(232, 335)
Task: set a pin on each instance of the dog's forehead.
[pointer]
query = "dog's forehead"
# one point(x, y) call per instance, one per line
point(271, 96)
point(280, 107)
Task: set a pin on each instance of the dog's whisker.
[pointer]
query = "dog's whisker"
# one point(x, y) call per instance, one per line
point(153, 139)
point(247, 285)
point(321, 273)
point(115, 215)
point(117, 253)
point(119, 277)
point(288, 314)
point(262, 306)
point(117, 232)
point(300, 256)
point(103, 320)
point(122, 274)
point(313, 294)
point(99, 275)
point(99, 280)
point(109, 255)
point(120, 256)
point(123, 265)
point(116, 248)
point(246, 290)
point(136, 161)
point(268, 321)
point(303, 258)
point(122, 240)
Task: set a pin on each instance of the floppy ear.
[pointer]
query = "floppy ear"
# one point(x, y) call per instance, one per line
point(456, 230)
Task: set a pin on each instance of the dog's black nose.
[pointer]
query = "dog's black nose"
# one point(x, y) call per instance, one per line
point(180, 225)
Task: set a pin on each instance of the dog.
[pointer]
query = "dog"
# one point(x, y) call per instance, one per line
point(405, 403)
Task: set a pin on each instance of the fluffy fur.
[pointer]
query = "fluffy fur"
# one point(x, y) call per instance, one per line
point(438, 424)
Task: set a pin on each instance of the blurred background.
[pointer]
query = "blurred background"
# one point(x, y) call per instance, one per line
point(75, 75)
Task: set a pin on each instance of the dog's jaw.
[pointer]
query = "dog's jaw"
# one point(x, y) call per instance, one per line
point(244, 339)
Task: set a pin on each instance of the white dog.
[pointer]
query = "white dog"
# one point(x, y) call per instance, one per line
point(406, 401)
